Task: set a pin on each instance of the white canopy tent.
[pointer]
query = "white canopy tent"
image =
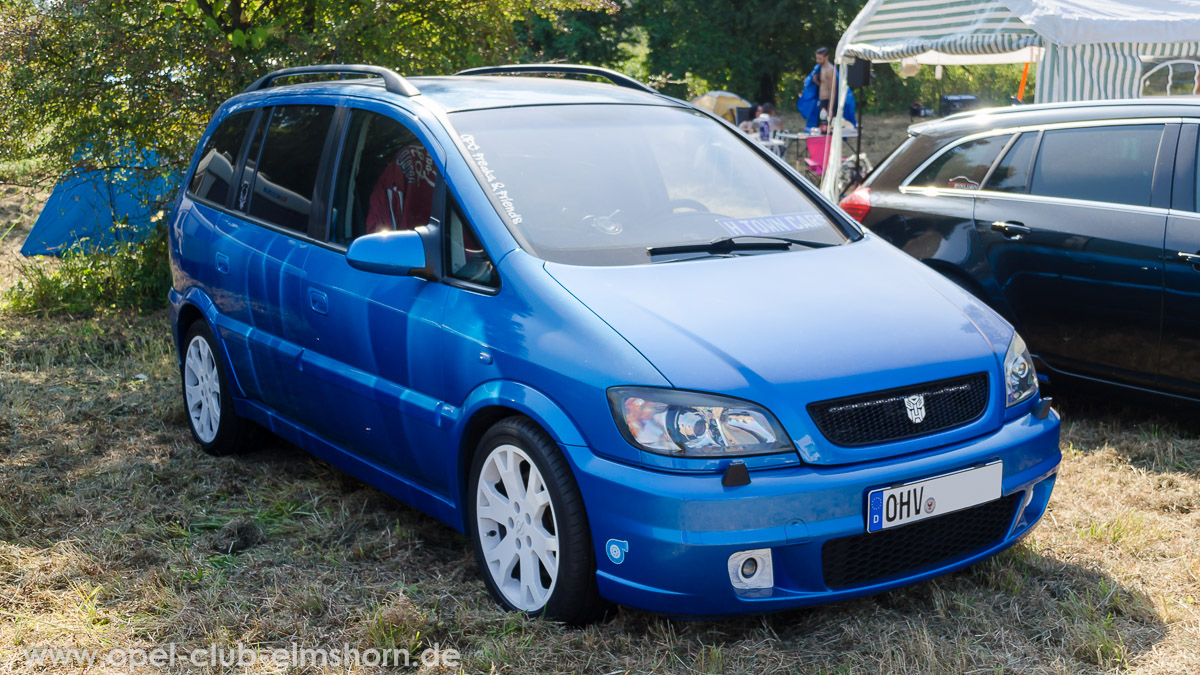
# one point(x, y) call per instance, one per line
point(1085, 49)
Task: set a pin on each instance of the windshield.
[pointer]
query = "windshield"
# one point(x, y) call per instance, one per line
point(599, 184)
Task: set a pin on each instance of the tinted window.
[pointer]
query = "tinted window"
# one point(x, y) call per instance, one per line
point(467, 259)
point(247, 176)
point(214, 171)
point(286, 171)
point(1104, 164)
point(1012, 173)
point(386, 180)
point(598, 184)
point(962, 167)
point(1188, 201)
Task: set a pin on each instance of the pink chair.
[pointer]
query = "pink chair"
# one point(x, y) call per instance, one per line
point(818, 154)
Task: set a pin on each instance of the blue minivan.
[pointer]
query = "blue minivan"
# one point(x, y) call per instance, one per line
point(634, 356)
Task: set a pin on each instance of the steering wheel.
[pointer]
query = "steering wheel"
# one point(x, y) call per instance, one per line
point(677, 204)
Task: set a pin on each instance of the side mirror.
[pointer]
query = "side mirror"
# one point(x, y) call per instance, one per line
point(397, 253)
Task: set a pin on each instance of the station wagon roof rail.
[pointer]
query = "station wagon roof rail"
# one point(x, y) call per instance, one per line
point(392, 81)
point(1017, 109)
point(563, 69)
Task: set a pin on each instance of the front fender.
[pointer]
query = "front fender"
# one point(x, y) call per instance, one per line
point(525, 400)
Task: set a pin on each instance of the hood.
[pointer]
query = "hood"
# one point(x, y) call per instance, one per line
point(788, 329)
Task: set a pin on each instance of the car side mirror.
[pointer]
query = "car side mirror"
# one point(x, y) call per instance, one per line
point(397, 253)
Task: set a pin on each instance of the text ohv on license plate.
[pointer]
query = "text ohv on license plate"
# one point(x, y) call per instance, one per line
point(932, 497)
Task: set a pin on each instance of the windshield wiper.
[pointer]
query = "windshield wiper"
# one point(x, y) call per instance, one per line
point(741, 242)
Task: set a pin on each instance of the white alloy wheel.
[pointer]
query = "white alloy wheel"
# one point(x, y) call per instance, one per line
point(202, 389)
point(517, 528)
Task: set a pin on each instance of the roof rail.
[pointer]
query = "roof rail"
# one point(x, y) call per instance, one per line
point(563, 69)
point(391, 81)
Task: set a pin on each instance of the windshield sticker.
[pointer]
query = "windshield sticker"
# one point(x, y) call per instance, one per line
point(495, 185)
point(795, 222)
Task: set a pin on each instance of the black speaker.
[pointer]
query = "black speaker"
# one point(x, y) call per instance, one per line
point(858, 74)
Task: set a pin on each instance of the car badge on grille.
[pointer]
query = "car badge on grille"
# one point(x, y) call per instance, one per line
point(916, 407)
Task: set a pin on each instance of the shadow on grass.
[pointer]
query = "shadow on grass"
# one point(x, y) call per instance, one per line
point(1020, 611)
point(1150, 432)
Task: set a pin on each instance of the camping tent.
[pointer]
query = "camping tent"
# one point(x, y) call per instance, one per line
point(94, 209)
point(1085, 49)
point(722, 103)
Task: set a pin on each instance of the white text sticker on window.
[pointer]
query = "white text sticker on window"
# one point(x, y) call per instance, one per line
point(795, 222)
point(497, 187)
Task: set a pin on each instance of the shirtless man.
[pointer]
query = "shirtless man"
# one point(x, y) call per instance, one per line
point(826, 78)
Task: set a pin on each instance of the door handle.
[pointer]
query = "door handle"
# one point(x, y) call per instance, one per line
point(222, 263)
point(1011, 229)
point(1192, 258)
point(318, 301)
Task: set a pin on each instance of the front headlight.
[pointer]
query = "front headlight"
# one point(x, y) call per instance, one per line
point(691, 424)
point(1020, 380)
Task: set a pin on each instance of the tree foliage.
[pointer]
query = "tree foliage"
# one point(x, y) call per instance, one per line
point(746, 46)
point(83, 80)
point(758, 49)
point(579, 36)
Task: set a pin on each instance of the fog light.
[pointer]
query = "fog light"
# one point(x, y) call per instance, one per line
point(751, 569)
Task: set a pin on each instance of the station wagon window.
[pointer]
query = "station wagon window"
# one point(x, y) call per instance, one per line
point(1012, 173)
point(962, 167)
point(214, 171)
point(467, 259)
point(285, 174)
point(386, 180)
point(1103, 164)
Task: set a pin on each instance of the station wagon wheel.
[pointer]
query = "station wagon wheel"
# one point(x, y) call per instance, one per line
point(528, 526)
point(202, 389)
point(207, 400)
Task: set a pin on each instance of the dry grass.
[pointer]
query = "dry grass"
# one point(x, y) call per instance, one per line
point(19, 209)
point(116, 532)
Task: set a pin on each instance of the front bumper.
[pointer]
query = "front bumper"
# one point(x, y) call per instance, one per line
point(676, 532)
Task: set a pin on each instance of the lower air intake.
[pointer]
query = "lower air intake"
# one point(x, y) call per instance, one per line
point(866, 558)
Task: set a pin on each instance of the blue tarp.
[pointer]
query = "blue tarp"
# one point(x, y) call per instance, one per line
point(808, 105)
point(95, 209)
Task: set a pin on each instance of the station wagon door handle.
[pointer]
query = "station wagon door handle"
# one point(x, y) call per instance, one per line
point(1192, 258)
point(1011, 229)
point(318, 301)
point(222, 263)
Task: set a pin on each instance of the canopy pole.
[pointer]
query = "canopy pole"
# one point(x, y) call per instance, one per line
point(833, 163)
point(1025, 78)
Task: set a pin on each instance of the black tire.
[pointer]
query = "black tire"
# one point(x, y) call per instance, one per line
point(573, 598)
point(233, 434)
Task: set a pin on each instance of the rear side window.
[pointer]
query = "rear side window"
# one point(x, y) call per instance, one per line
point(214, 171)
point(285, 173)
point(962, 167)
point(1103, 164)
point(386, 179)
point(1012, 173)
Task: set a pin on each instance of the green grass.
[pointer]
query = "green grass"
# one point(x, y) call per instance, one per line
point(123, 276)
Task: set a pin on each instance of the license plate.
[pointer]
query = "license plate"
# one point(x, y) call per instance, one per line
point(932, 497)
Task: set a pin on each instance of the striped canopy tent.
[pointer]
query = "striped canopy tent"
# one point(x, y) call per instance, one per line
point(1084, 49)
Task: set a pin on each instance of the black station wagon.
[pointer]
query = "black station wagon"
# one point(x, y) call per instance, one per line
point(1078, 222)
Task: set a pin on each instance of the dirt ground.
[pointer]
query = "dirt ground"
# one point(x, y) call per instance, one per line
point(116, 532)
point(880, 133)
